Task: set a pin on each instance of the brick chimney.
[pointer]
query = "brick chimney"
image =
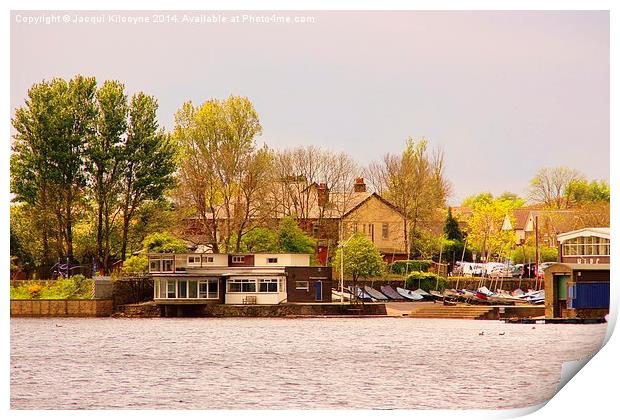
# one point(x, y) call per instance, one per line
point(359, 185)
point(323, 194)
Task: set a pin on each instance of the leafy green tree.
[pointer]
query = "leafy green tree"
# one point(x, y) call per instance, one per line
point(584, 192)
point(150, 170)
point(222, 174)
point(47, 165)
point(485, 225)
point(292, 239)
point(164, 242)
point(451, 228)
point(106, 162)
point(361, 258)
point(136, 265)
point(260, 240)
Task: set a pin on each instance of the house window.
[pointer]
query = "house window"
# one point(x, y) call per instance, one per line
point(302, 285)
point(268, 286)
point(238, 259)
point(155, 265)
point(168, 264)
point(385, 231)
point(272, 260)
point(209, 259)
point(193, 260)
point(315, 230)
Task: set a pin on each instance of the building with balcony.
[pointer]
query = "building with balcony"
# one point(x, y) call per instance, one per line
point(238, 279)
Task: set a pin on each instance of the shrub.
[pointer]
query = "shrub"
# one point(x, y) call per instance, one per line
point(136, 265)
point(34, 290)
point(401, 267)
point(425, 281)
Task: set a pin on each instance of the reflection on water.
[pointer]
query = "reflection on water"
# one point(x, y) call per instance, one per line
point(241, 363)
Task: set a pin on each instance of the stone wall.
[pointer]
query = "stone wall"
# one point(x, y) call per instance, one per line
point(139, 310)
point(61, 308)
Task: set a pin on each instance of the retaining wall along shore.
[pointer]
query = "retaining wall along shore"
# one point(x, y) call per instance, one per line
point(61, 307)
point(149, 310)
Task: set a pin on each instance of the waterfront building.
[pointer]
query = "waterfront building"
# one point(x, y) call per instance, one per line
point(578, 285)
point(238, 279)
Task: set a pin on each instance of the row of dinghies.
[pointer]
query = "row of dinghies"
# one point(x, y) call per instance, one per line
point(482, 295)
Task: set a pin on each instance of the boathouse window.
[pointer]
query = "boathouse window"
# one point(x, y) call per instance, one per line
point(182, 289)
point(302, 285)
point(268, 285)
point(155, 265)
point(193, 289)
point(208, 289)
point(272, 260)
point(385, 231)
point(242, 285)
point(238, 259)
point(586, 246)
point(172, 289)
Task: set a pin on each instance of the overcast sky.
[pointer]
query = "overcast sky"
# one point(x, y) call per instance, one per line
point(503, 93)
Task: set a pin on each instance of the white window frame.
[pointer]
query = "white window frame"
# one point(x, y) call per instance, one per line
point(275, 260)
point(306, 288)
point(238, 259)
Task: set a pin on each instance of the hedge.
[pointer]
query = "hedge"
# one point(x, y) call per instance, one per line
point(401, 267)
point(425, 281)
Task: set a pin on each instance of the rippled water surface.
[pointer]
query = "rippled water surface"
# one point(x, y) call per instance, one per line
point(241, 363)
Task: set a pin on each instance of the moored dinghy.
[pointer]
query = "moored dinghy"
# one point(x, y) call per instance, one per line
point(391, 293)
point(408, 294)
point(375, 293)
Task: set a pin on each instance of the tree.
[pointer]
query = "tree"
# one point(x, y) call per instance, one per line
point(260, 239)
point(107, 160)
point(485, 224)
point(361, 259)
point(222, 174)
point(582, 192)
point(164, 242)
point(47, 165)
point(150, 170)
point(292, 239)
point(553, 187)
point(451, 228)
point(414, 182)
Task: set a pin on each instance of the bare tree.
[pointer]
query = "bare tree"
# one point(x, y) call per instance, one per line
point(414, 182)
point(552, 186)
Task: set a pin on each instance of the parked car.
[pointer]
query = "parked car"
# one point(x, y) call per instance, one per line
point(467, 269)
point(518, 270)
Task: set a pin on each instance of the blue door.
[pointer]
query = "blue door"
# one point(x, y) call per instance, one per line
point(318, 290)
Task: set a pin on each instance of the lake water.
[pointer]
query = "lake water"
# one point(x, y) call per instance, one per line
point(251, 363)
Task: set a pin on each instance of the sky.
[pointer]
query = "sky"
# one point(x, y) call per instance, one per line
point(502, 93)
